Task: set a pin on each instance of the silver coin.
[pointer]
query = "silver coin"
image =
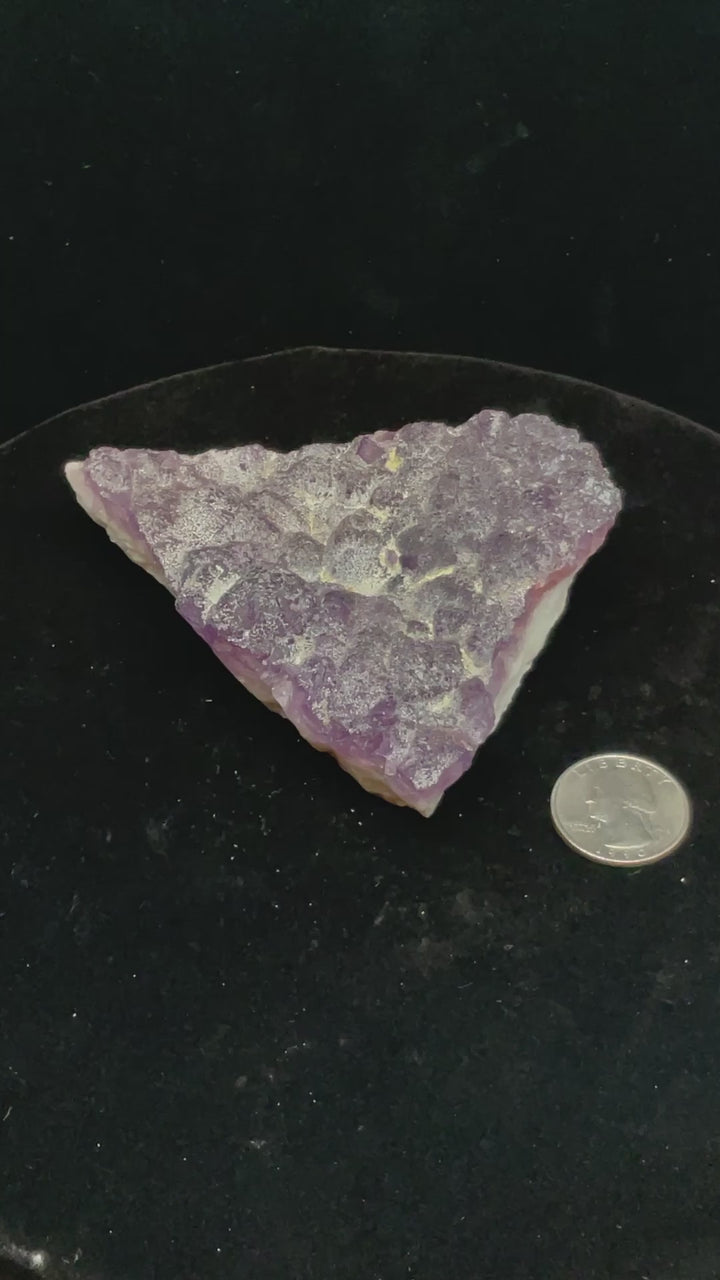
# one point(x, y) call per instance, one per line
point(620, 810)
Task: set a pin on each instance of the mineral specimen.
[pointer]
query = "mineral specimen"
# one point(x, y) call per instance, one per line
point(387, 595)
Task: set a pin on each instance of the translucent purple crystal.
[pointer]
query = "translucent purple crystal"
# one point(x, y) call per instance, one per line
point(386, 595)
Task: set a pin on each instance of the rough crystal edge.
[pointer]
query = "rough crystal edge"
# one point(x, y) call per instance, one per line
point(243, 666)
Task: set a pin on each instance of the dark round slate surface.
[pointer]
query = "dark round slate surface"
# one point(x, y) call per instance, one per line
point(259, 1023)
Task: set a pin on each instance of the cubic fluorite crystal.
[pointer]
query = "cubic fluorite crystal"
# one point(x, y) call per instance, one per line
point(386, 595)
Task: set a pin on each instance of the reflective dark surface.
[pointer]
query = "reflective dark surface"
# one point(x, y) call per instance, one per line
point(256, 1022)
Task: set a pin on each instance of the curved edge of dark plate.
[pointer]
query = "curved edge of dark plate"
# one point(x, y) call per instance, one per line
point(525, 372)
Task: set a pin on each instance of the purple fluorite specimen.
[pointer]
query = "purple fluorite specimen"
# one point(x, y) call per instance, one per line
point(386, 595)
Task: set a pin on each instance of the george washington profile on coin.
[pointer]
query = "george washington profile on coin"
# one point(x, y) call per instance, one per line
point(619, 808)
point(626, 817)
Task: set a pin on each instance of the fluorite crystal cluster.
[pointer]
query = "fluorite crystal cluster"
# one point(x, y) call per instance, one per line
point(387, 595)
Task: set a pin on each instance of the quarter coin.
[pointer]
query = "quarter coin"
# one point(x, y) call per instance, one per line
point(620, 809)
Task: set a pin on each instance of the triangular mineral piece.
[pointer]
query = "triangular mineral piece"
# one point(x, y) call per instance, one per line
point(387, 595)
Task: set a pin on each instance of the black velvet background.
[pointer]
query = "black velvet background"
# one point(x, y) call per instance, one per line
point(186, 181)
point(258, 1023)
